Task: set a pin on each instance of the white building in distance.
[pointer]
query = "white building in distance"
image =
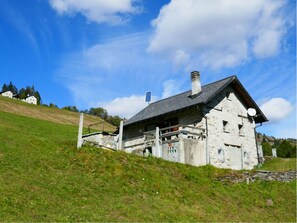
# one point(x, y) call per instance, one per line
point(7, 94)
point(31, 100)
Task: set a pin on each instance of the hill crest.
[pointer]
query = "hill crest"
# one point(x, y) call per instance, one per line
point(55, 115)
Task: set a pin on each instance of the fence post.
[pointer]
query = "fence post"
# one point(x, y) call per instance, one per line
point(80, 129)
point(157, 151)
point(120, 143)
point(274, 152)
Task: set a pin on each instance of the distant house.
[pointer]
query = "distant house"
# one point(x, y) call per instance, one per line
point(213, 124)
point(31, 100)
point(7, 94)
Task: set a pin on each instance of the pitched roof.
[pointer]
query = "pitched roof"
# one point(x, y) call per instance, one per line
point(184, 100)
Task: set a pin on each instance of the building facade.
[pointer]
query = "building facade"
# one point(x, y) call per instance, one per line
point(206, 125)
point(7, 94)
point(31, 100)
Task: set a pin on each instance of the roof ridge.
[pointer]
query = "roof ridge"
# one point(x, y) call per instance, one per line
point(232, 76)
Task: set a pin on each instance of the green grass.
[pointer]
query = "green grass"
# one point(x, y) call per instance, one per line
point(43, 178)
point(279, 164)
point(60, 116)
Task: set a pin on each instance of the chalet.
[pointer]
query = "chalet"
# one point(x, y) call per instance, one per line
point(212, 124)
point(7, 94)
point(31, 100)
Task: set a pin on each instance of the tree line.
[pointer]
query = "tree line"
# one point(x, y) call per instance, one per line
point(99, 112)
point(22, 93)
point(284, 148)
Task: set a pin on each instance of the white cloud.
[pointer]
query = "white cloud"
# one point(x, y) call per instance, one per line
point(112, 69)
point(125, 107)
point(277, 109)
point(171, 87)
point(218, 33)
point(129, 106)
point(100, 11)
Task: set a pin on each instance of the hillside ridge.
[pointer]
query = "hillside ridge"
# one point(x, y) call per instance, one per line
point(51, 114)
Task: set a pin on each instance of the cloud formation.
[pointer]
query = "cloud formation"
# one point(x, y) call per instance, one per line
point(116, 68)
point(101, 11)
point(126, 107)
point(171, 87)
point(129, 106)
point(218, 33)
point(277, 109)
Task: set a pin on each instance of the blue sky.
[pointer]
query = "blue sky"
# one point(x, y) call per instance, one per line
point(108, 53)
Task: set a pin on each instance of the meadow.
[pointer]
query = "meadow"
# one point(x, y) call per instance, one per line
point(43, 177)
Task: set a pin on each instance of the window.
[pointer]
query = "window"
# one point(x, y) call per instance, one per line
point(221, 155)
point(240, 129)
point(225, 126)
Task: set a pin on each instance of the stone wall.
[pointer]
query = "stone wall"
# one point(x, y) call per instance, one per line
point(231, 137)
point(101, 140)
point(260, 175)
point(135, 145)
point(277, 176)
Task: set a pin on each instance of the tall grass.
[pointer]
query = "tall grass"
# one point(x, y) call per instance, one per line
point(280, 164)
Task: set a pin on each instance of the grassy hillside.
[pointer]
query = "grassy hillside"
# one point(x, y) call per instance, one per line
point(280, 164)
point(44, 178)
point(50, 114)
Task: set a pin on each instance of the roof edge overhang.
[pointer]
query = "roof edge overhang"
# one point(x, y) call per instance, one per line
point(248, 100)
point(167, 113)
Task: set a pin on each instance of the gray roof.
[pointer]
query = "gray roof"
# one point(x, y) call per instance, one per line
point(184, 100)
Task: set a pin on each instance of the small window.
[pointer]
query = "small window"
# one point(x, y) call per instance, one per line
point(225, 126)
point(221, 155)
point(240, 129)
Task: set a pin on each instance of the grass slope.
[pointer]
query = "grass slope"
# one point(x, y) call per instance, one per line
point(55, 115)
point(279, 164)
point(44, 178)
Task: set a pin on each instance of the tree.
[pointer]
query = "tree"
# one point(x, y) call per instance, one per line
point(266, 149)
point(71, 108)
point(29, 91)
point(10, 87)
point(4, 88)
point(100, 112)
point(53, 105)
point(286, 150)
point(114, 120)
point(86, 111)
point(37, 96)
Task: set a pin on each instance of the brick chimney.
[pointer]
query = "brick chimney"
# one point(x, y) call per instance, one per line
point(196, 84)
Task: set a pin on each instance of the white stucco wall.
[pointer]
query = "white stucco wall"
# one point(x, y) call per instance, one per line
point(31, 100)
point(7, 94)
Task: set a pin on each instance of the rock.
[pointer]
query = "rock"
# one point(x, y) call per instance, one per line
point(269, 202)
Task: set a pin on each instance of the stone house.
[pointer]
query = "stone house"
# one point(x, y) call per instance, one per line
point(213, 124)
point(7, 94)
